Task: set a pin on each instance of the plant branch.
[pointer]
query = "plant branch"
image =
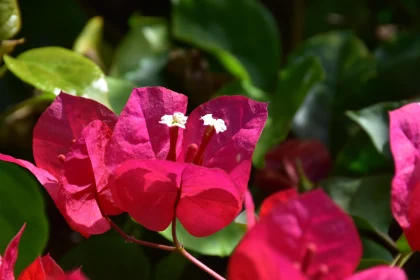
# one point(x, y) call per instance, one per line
point(180, 248)
point(205, 268)
point(137, 241)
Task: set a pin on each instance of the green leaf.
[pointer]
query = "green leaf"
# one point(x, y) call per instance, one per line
point(143, 53)
point(54, 69)
point(375, 121)
point(372, 250)
point(243, 87)
point(219, 244)
point(403, 245)
point(119, 92)
point(297, 80)
point(397, 64)
point(368, 263)
point(242, 34)
point(21, 202)
point(10, 20)
point(359, 157)
point(355, 196)
point(348, 65)
point(89, 42)
point(108, 256)
point(170, 267)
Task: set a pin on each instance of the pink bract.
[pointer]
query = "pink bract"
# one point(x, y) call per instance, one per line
point(405, 147)
point(212, 189)
point(41, 269)
point(308, 237)
point(209, 200)
point(68, 144)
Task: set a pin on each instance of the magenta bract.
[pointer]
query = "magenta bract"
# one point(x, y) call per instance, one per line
point(69, 145)
point(405, 147)
point(212, 167)
point(308, 237)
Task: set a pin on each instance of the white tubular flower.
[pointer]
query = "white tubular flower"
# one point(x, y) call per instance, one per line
point(177, 119)
point(218, 124)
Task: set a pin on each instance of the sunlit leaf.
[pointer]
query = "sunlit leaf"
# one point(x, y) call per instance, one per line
point(54, 69)
point(10, 20)
point(143, 52)
point(219, 244)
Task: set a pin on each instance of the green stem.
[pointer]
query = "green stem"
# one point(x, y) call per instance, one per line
point(401, 259)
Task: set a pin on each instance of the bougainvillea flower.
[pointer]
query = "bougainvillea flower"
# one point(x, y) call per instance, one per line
point(308, 237)
point(69, 142)
point(405, 147)
point(281, 168)
point(45, 268)
point(41, 269)
point(216, 140)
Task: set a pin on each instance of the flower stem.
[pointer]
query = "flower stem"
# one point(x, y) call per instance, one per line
point(401, 259)
point(180, 248)
point(139, 242)
point(205, 268)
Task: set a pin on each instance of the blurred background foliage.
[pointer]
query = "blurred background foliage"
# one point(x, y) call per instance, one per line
point(330, 70)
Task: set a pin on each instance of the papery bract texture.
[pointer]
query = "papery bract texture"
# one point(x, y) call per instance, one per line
point(46, 268)
point(276, 199)
point(138, 134)
point(62, 122)
point(232, 149)
point(8, 261)
point(148, 189)
point(310, 231)
point(405, 147)
point(380, 273)
point(69, 145)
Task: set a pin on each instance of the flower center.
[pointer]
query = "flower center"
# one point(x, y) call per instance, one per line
point(194, 152)
point(214, 126)
point(306, 262)
point(175, 121)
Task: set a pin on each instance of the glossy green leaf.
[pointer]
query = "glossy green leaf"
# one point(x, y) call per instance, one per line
point(119, 92)
point(10, 20)
point(89, 41)
point(375, 121)
point(54, 69)
point(297, 80)
point(108, 256)
point(348, 65)
point(355, 196)
point(21, 201)
point(359, 157)
point(398, 62)
point(219, 244)
point(243, 87)
point(372, 250)
point(143, 53)
point(242, 34)
point(368, 263)
point(403, 245)
point(170, 267)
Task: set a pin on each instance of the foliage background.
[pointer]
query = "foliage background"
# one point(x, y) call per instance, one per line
point(331, 70)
